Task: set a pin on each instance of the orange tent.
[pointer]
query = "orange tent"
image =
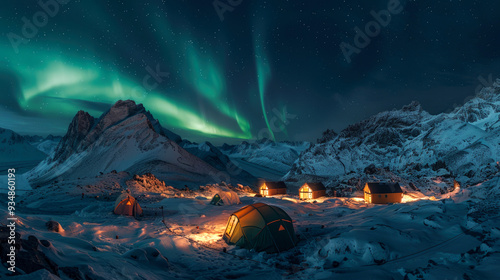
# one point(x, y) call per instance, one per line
point(127, 205)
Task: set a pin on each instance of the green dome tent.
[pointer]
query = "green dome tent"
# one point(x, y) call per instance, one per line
point(261, 227)
point(225, 198)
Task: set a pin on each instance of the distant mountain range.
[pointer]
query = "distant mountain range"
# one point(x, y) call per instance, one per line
point(276, 155)
point(466, 142)
point(45, 144)
point(17, 148)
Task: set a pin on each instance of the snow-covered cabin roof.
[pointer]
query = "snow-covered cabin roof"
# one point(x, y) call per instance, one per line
point(316, 186)
point(275, 185)
point(383, 187)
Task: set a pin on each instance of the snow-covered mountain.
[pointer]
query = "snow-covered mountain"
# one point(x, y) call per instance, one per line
point(45, 144)
point(208, 153)
point(276, 155)
point(16, 148)
point(466, 142)
point(125, 138)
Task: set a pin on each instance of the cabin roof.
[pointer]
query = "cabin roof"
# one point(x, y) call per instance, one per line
point(316, 186)
point(275, 185)
point(384, 187)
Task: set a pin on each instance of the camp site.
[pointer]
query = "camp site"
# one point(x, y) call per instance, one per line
point(250, 140)
point(156, 227)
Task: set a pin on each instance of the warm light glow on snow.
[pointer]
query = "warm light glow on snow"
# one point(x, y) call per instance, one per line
point(408, 198)
point(414, 196)
point(205, 237)
point(437, 180)
point(290, 199)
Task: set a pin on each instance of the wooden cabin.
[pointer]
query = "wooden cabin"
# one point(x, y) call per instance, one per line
point(312, 191)
point(383, 193)
point(272, 188)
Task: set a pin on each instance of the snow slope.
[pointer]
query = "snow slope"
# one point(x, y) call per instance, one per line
point(454, 236)
point(47, 145)
point(466, 140)
point(14, 147)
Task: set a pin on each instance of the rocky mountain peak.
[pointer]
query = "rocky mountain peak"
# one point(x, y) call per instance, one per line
point(120, 111)
point(81, 123)
point(126, 107)
point(10, 137)
point(328, 135)
point(482, 107)
point(413, 106)
point(78, 129)
point(491, 92)
point(123, 109)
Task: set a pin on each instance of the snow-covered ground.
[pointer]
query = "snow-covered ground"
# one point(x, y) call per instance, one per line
point(448, 226)
point(445, 236)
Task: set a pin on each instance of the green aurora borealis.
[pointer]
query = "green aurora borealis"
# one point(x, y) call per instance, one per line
point(56, 87)
point(230, 80)
point(57, 83)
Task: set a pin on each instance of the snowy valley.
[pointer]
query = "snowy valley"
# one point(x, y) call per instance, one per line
point(447, 226)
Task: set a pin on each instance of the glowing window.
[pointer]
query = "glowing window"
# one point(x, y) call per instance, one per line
point(305, 193)
point(264, 190)
point(129, 203)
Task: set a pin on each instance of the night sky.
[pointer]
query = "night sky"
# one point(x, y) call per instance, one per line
point(232, 79)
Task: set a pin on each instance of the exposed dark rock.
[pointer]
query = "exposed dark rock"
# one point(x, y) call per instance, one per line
point(78, 128)
point(53, 226)
point(370, 169)
point(30, 259)
point(438, 165)
point(328, 135)
point(73, 273)
point(418, 167)
point(45, 243)
point(470, 174)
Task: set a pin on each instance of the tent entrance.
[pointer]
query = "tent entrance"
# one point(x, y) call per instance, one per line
point(127, 205)
point(217, 200)
point(231, 225)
